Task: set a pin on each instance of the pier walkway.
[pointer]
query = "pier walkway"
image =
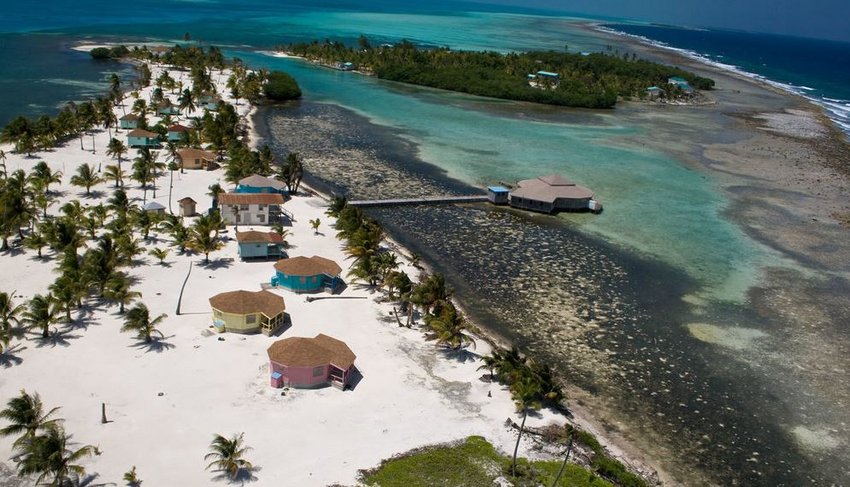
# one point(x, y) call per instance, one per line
point(427, 200)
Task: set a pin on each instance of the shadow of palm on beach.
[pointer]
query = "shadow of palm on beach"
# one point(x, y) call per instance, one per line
point(9, 357)
point(157, 345)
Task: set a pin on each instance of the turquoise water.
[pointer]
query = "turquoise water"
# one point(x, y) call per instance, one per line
point(653, 204)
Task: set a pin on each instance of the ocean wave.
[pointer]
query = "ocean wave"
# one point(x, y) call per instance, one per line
point(839, 115)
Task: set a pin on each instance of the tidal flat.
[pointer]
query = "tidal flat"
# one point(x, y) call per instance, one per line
point(688, 364)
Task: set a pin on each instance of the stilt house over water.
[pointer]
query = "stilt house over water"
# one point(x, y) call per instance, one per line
point(553, 193)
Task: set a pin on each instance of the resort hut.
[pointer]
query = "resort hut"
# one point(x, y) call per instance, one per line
point(310, 362)
point(681, 83)
point(129, 121)
point(260, 184)
point(187, 206)
point(142, 138)
point(498, 195)
point(549, 194)
point(654, 92)
point(176, 131)
point(259, 245)
point(165, 107)
point(154, 208)
point(195, 159)
point(307, 274)
point(248, 311)
point(250, 209)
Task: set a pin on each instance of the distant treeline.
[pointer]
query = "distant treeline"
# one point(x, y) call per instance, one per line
point(585, 80)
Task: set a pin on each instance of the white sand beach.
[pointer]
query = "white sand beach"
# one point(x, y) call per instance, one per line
point(165, 403)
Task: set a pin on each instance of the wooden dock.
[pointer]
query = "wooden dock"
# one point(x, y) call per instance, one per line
point(428, 200)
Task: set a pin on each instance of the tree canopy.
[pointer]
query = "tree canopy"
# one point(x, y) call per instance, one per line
point(281, 86)
point(583, 80)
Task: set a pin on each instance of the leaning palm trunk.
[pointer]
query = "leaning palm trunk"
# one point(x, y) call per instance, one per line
point(564, 465)
point(516, 447)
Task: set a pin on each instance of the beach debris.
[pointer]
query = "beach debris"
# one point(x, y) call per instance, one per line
point(160, 394)
point(221, 339)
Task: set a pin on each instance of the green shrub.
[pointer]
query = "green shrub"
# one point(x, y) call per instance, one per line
point(281, 86)
point(100, 53)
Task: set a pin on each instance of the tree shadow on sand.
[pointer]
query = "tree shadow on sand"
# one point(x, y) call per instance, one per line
point(94, 194)
point(9, 357)
point(242, 477)
point(157, 345)
point(462, 355)
point(85, 318)
point(212, 265)
point(86, 481)
point(56, 338)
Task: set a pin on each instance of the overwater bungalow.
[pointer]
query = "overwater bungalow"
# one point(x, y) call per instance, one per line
point(311, 362)
point(248, 312)
point(553, 193)
point(307, 274)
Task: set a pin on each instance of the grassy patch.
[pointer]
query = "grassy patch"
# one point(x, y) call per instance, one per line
point(472, 462)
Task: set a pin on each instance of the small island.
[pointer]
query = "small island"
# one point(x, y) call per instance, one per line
point(585, 80)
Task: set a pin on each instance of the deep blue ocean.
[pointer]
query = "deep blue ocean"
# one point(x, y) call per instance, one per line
point(817, 69)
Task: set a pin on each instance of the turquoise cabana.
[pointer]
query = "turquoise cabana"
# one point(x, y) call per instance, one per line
point(129, 121)
point(142, 138)
point(260, 245)
point(307, 274)
point(176, 131)
point(260, 184)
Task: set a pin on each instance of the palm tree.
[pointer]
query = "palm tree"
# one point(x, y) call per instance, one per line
point(86, 177)
point(203, 236)
point(315, 224)
point(566, 459)
point(9, 312)
point(179, 233)
point(118, 291)
point(449, 328)
point(50, 456)
point(187, 101)
point(526, 394)
point(115, 173)
point(227, 455)
point(42, 176)
point(26, 416)
point(138, 320)
point(67, 292)
point(116, 148)
point(432, 293)
point(42, 313)
point(215, 190)
point(2, 164)
point(115, 85)
point(160, 254)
